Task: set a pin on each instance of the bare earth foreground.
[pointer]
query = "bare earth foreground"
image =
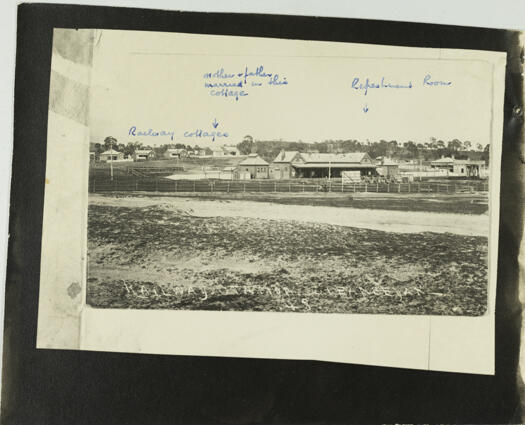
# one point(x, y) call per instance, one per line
point(202, 254)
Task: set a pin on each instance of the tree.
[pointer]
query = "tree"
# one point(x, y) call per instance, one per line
point(246, 146)
point(485, 156)
point(98, 149)
point(109, 142)
point(467, 145)
point(454, 145)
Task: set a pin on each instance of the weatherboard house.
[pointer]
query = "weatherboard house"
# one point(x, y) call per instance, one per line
point(175, 153)
point(111, 155)
point(255, 166)
point(143, 154)
point(290, 164)
point(460, 167)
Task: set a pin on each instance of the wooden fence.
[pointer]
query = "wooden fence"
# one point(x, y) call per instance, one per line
point(148, 184)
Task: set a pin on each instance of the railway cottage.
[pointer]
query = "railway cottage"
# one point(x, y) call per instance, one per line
point(143, 154)
point(111, 155)
point(257, 167)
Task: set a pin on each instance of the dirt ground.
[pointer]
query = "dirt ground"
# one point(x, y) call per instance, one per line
point(185, 253)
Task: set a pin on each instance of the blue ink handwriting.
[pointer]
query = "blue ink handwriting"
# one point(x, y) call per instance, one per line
point(150, 132)
point(199, 133)
point(236, 84)
point(358, 85)
point(428, 82)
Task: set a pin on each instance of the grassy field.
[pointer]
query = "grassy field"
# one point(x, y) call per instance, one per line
point(191, 165)
point(164, 257)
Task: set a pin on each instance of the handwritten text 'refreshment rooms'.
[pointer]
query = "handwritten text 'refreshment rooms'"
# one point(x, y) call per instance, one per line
point(363, 85)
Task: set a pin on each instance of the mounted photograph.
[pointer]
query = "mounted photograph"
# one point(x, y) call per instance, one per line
point(246, 174)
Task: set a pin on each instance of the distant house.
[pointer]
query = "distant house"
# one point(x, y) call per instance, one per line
point(255, 166)
point(387, 167)
point(92, 156)
point(230, 151)
point(217, 151)
point(199, 152)
point(144, 155)
point(460, 167)
point(175, 153)
point(111, 155)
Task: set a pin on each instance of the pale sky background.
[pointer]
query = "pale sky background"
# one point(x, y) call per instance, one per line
point(155, 80)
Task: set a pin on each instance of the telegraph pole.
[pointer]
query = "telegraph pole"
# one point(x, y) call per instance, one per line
point(111, 156)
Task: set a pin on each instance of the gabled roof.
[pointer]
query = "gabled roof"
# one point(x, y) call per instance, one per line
point(444, 160)
point(143, 151)
point(388, 161)
point(349, 158)
point(253, 159)
point(230, 148)
point(285, 156)
point(172, 150)
point(110, 152)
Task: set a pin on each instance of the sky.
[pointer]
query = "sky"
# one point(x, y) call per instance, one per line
point(145, 83)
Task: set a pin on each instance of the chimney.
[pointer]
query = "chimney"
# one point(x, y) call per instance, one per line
point(282, 155)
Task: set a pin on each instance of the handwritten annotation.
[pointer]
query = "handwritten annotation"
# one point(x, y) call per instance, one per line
point(199, 133)
point(150, 132)
point(428, 81)
point(236, 85)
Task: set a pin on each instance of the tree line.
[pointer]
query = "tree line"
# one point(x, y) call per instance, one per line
point(434, 149)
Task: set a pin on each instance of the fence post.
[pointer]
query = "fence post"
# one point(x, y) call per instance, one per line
point(275, 186)
point(377, 187)
point(289, 187)
point(342, 186)
point(94, 186)
point(116, 185)
point(244, 187)
point(194, 185)
point(175, 185)
point(419, 186)
point(399, 188)
point(259, 186)
point(388, 187)
point(228, 190)
point(366, 187)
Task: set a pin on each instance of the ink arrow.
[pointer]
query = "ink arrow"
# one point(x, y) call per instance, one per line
point(215, 123)
point(365, 109)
